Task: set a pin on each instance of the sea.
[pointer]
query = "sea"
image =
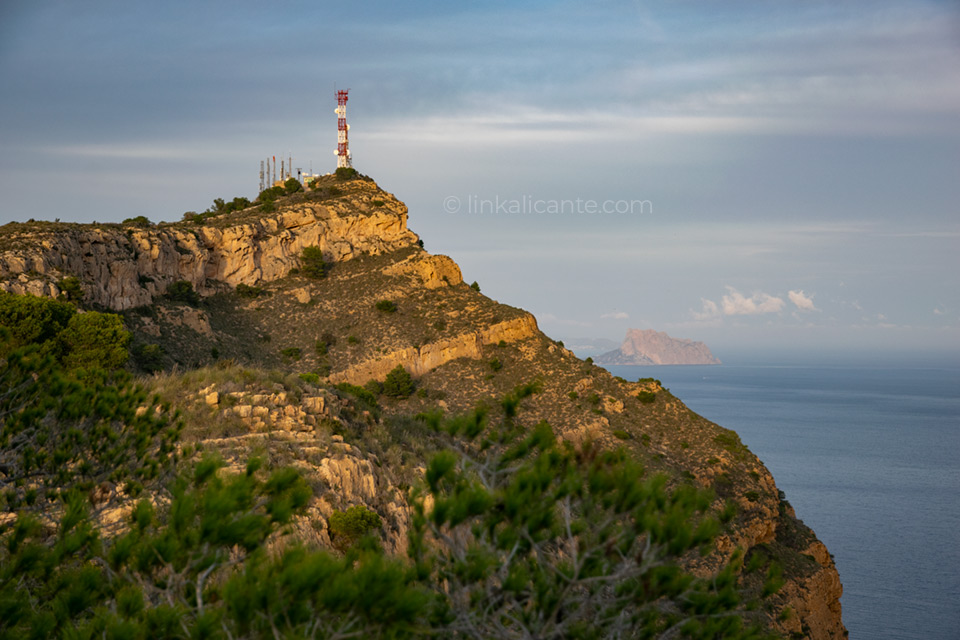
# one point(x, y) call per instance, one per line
point(867, 450)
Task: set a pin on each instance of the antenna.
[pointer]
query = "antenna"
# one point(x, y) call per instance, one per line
point(343, 148)
point(261, 177)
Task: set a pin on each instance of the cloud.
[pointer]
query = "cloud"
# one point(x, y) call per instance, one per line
point(736, 304)
point(710, 310)
point(802, 301)
point(615, 315)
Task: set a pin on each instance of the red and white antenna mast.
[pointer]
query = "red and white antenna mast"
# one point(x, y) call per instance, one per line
point(343, 146)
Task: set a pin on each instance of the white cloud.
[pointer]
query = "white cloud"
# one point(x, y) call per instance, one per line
point(801, 300)
point(736, 304)
point(615, 315)
point(710, 310)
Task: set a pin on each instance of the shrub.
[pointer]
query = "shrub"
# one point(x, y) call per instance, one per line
point(148, 357)
point(361, 394)
point(475, 286)
point(138, 221)
point(621, 434)
point(347, 527)
point(378, 203)
point(247, 291)
point(589, 360)
point(311, 262)
point(646, 397)
point(95, 341)
point(573, 395)
point(398, 383)
point(310, 378)
point(373, 387)
point(496, 365)
point(386, 306)
point(182, 291)
point(290, 353)
point(594, 399)
point(351, 339)
point(291, 186)
point(70, 289)
point(346, 173)
point(321, 347)
point(30, 319)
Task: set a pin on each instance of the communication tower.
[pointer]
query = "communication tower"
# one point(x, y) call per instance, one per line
point(343, 148)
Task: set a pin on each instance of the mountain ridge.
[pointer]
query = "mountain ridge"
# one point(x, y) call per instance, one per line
point(463, 348)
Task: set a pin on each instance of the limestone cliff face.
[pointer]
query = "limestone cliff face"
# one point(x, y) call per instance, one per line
point(121, 268)
point(646, 346)
point(419, 360)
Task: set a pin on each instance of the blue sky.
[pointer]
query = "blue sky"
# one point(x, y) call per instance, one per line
point(799, 162)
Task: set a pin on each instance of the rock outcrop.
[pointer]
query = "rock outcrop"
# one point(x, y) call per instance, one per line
point(419, 360)
point(126, 267)
point(646, 347)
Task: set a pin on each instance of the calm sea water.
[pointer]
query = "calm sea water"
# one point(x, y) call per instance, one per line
point(869, 456)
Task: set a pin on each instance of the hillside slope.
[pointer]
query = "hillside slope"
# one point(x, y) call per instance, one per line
point(464, 349)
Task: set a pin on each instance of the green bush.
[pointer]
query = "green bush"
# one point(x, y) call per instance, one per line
point(386, 306)
point(30, 319)
point(373, 387)
point(621, 434)
point(182, 291)
point(398, 383)
point(138, 221)
point(291, 186)
point(311, 262)
point(475, 286)
point(377, 203)
point(346, 173)
point(361, 394)
point(573, 395)
point(60, 431)
point(70, 289)
point(352, 339)
point(347, 527)
point(95, 341)
point(290, 353)
point(148, 357)
point(310, 378)
point(647, 397)
point(496, 365)
point(248, 291)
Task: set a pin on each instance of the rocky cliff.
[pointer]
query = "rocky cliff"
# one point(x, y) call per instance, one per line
point(122, 267)
point(646, 347)
point(260, 364)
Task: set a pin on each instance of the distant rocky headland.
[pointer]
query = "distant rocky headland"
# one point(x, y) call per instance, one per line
point(647, 346)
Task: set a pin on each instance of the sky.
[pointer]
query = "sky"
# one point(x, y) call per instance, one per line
point(756, 175)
